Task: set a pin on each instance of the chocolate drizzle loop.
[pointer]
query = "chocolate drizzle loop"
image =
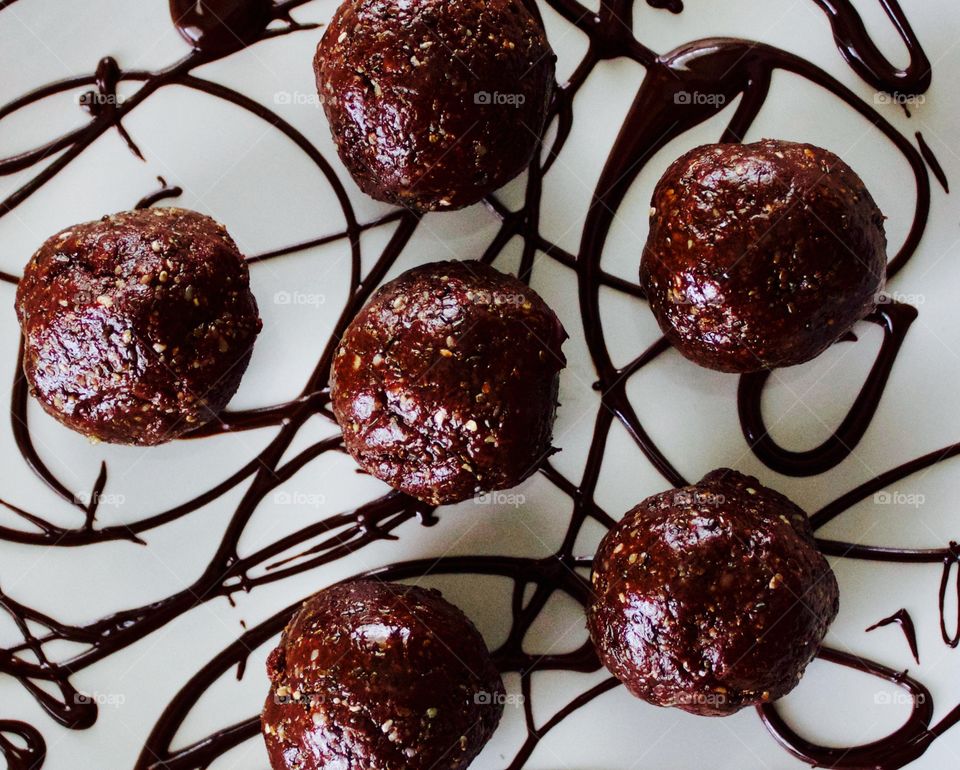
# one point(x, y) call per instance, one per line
point(726, 69)
point(895, 320)
point(21, 745)
point(865, 58)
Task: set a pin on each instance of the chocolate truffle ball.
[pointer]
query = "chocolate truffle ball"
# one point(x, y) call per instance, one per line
point(761, 255)
point(433, 104)
point(380, 676)
point(446, 383)
point(712, 597)
point(137, 327)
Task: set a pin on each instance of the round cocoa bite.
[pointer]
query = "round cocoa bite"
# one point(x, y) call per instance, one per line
point(761, 255)
point(433, 104)
point(137, 327)
point(446, 383)
point(712, 597)
point(380, 676)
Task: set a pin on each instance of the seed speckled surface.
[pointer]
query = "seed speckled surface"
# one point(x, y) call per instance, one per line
point(446, 383)
point(433, 104)
point(138, 326)
point(380, 676)
point(712, 597)
point(761, 255)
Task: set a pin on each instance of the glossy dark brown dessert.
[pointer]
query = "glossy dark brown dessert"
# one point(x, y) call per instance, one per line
point(380, 676)
point(761, 255)
point(137, 327)
point(711, 597)
point(445, 384)
point(433, 104)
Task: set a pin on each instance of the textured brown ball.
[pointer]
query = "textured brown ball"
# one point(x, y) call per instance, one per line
point(139, 326)
point(380, 676)
point(761, 255)
point(712, 597)
point(433, 104)
point(446, 383)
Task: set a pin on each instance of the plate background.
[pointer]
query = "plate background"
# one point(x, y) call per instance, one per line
point(248, 176)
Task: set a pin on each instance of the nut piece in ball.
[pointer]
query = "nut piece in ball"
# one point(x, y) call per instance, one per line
point(137, 327)
point(712, 597)
point(433, 104)
point(446, 383)
point(381, 676)
point(761, 255)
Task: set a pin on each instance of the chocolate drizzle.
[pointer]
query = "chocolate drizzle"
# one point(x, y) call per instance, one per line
point(725, 68)
point(21, 745)
point(901, 618)
point(895, 320)
point(165, 192)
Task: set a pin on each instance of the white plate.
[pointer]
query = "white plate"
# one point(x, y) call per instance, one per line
point(249, 175)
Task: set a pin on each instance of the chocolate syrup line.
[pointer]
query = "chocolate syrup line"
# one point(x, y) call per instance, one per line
point(858, 48)
point(31, 751)
point(164, 193)
point(895, 320)
point(932, 161)
point(730, 68)
point(951, 563)
point(902, 619)
point(901, 747)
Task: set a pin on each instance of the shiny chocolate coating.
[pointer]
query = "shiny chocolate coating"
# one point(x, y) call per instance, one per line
point(138, 326)
point(445, 384)
point(761, 255)
point(380, 676)
point(712, 597)
point(433, 104)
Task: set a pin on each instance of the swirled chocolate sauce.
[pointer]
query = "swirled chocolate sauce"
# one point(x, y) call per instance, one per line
point(732, 70)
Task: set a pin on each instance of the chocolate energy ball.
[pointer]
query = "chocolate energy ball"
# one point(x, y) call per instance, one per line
point(137, 327)
point(380, 676)
point(446, 383)
point(433, 104)
point(712, 597)
point(761, 255)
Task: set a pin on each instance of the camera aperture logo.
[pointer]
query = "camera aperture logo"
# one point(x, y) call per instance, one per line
point(498, 99)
